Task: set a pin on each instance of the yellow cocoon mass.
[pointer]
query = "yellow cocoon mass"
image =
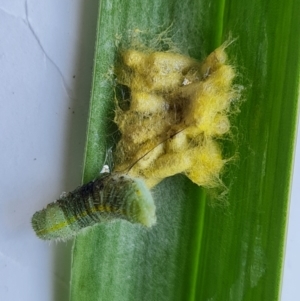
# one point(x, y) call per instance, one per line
point(179, 109)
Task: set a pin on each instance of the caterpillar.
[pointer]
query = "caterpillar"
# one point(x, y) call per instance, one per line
point(110, 196)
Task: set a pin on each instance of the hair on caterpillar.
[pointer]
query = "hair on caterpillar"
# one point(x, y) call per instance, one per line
point(110, 196)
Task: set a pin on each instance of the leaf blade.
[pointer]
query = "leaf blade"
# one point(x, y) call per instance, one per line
point(249, 268)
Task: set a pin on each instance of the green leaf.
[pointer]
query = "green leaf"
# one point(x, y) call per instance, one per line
point(198, 251)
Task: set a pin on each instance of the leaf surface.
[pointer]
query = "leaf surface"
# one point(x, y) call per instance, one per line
point(198, 251)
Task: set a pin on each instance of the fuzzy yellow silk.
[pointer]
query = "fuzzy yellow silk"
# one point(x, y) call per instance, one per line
point(178, 112)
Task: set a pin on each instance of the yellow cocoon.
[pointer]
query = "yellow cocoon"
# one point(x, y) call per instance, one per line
point(178, 112)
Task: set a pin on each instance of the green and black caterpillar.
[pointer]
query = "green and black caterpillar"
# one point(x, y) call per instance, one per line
point(110, 196)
